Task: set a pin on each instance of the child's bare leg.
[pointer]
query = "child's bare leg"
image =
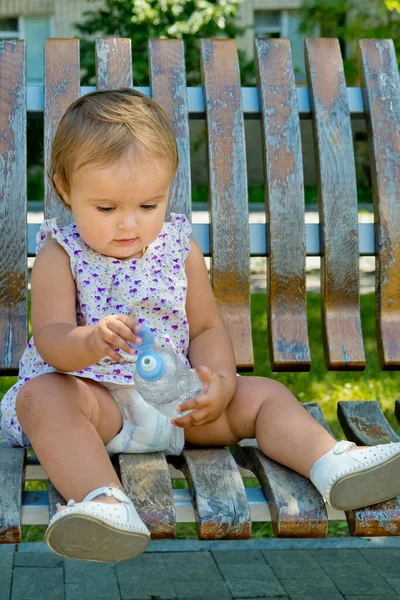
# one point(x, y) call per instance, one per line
point(68, 420)
point(347, 476)
point(267, 410)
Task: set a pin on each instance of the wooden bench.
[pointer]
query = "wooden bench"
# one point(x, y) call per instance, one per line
point(216, 498)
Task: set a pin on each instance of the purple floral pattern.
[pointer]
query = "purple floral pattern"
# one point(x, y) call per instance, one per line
point(153, 288)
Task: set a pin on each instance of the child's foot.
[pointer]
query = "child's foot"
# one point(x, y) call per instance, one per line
point(98, 531)
point(350, 477)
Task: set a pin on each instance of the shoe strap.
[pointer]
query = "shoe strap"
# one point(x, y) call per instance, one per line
point(343, 446)
point(111, 492)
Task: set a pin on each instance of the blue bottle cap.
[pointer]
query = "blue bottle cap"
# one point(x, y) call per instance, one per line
point(150, 366)
point(147, 338)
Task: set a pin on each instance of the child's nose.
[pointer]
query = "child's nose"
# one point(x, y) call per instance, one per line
point(128, 222)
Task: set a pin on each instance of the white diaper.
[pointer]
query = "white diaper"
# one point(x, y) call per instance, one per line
point(152, 430)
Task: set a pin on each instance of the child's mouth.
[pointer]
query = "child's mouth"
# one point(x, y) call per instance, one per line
point(126, 242)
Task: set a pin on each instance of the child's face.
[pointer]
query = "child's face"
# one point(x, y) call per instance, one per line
point(119, 209)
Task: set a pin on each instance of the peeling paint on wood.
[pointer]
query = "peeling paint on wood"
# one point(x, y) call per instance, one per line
point(222, 510)
point(147, 482)
point(114, 63)
point(13, 242)
point(381, 92)
point(284, 201)
point(228, 192)
point(337, 200)
point(168, 88)
point(11, 478)
point(62, 87)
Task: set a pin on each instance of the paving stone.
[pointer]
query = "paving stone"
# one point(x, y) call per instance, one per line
point(37, 559)
point(217, 590)
point(144, 577)
point(386, 561)
point(192, 566)
point(299, 564)
point(243, 565)
point(33, 583)
point(6, 569)
point(85, 580)
point(394, 582)
point(367, 583)
point(77, 570)
point(250, 588)
point(311, 589)
point(372, 597)
point(342, 561)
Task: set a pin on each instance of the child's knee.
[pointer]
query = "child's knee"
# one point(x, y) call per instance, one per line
point(36, 395)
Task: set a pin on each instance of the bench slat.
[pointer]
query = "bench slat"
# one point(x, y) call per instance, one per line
point(147, 482)
point(11, 485)
point(228, 192)
point(168, 85)
point(381, 85)
point(113, 63)
point(337, 191)
point(13, 239)
point(62, 87)
point(219, 496)
point(364, 423)
point(284, 199)
point(297, 509)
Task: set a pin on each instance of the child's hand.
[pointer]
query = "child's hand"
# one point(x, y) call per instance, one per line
point(111, 334)
point(208, 407)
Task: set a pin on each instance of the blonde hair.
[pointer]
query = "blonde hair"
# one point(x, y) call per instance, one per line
point(100, 127)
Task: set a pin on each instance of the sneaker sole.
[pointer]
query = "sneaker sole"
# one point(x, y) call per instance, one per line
point(374, 485)
point(85, 538)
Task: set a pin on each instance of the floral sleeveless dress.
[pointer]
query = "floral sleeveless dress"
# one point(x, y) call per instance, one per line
point(151, 288)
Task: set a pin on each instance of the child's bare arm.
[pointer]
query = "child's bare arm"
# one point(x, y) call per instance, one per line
point(59, 340)
point(210, 343)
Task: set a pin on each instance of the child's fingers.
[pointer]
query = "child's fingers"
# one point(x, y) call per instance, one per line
point(193, 419)
point(111, 353)
point(121, 336)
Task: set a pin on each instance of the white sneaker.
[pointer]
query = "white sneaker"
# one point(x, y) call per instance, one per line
point(98, 531)
point(365, 476)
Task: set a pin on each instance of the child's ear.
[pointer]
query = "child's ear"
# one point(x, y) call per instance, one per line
point(60, 187)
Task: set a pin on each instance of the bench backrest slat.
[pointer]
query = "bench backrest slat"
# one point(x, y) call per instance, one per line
point(284, 200)
point(168, 88)
point(13, 238)
point(228, 191)
point(337, 206)
point(62, 87)
point(113, 63)
point(380, 81)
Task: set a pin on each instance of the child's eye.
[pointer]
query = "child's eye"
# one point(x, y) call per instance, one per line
point(149, 206)
point(105, 209)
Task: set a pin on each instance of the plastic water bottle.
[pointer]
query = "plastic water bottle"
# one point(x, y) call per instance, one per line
point(161, 377)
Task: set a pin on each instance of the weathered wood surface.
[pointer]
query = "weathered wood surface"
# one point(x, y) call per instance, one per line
point(62, 87)
point(147, 482)
point(54, 499)
point(113, 63)
point(284, 200)
point(221, 507)
point(365, 424)
point(297, 509)
point(337, 200)
point(13, 242)
point(228, 192)
point(381, 92)
point(168, 88)
point(11, 485)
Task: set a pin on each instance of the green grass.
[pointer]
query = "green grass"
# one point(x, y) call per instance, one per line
point(318, 385)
